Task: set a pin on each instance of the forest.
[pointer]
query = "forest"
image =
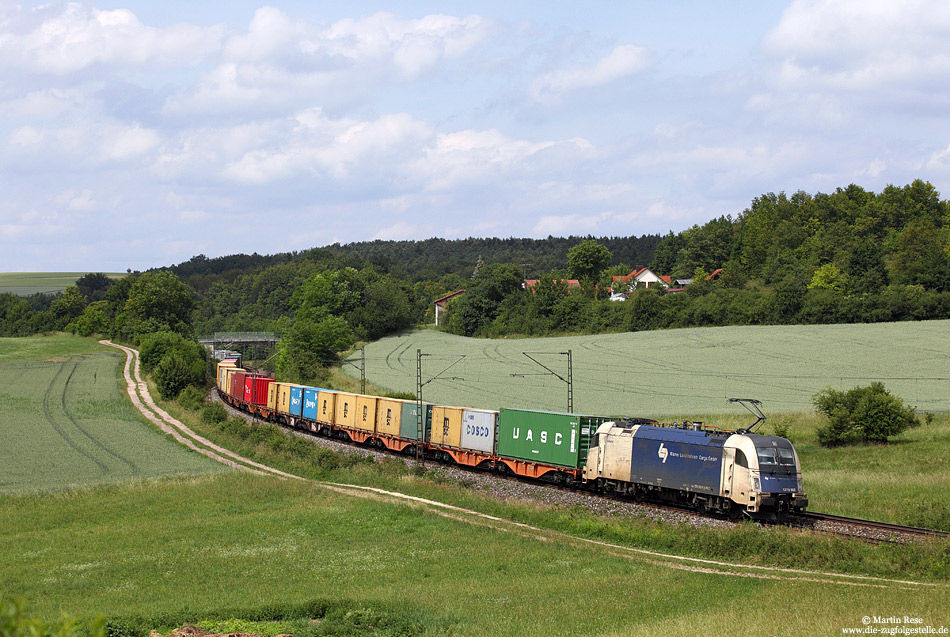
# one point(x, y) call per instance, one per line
point(846, 257)
point(852, 256)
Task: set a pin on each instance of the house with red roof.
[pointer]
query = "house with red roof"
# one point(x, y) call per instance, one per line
point(571, 283)
point(440, 305)
point(644, 277)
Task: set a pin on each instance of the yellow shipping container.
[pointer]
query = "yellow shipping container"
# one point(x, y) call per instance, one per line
point(283, 397)
point(225, 385)
point(272, 396)
point(223, 366)
point(446, 426)
point(326, 406)
point(389, 416)
point(366, 413)
point(344, 415)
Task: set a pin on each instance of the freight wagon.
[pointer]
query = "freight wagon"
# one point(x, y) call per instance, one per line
point(711, 470)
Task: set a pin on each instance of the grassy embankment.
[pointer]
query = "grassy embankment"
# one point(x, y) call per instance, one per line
point(231, 545)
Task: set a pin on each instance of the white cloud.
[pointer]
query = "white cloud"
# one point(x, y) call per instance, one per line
point(624, 60)
point(79, 37)
point(334, 148)
point(86, 142)
point(399, 231)
point(859, 45)
point(284, 61)
point(875, 169)
point(127, 142)
point(563, 225)
point(78, 201)
point(939, 160)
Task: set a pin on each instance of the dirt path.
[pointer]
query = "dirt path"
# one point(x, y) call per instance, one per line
point(176, 428)
point(188, 437)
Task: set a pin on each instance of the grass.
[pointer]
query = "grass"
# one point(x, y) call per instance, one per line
point(906, 481)
point(232, 548)
point(773, 546)
point(64, 423)
point(28, 283)
point(672, 372)
point(232, 545)
point(45, 348)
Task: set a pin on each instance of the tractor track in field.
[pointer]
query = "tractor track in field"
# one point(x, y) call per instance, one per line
point(95, 441)
point(138, 392)
point(48, 413)
point(142, 400)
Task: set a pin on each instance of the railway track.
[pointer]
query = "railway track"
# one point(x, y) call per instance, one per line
point(870, 530)
point(866, 530)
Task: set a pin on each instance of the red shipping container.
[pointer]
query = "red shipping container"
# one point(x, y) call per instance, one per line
point(259, 388)
point(248, 388)
point(237, 384)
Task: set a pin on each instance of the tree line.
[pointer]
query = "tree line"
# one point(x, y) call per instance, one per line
point(848, 256)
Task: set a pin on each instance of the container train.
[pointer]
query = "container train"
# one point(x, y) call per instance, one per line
point(733, 473)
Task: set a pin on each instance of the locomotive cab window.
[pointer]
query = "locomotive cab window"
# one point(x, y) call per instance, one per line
point(776, 460)
point(767, 458)
point(741, 459)
point(785, 457)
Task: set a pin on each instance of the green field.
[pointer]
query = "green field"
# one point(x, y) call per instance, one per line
point(672, 373)
point(695, 370)
point(233, 545)
point(28, 283)
point(64, 422)
point(221, 545)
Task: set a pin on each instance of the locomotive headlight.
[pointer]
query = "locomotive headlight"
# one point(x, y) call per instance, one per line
point(756, 485)
point(800, 488)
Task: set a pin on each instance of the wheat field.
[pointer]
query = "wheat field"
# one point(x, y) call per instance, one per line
point(669, 373)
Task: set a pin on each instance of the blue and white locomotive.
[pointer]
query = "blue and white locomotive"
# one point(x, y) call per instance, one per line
point(735, 473)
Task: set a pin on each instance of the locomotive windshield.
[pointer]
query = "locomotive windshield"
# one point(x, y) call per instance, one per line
point(775, 455)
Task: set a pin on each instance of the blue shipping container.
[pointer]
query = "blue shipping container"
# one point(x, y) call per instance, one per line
point(677, 459)
point(310, 402)
point(296, 401)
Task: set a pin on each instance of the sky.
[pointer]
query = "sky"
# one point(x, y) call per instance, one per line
point(139, 134)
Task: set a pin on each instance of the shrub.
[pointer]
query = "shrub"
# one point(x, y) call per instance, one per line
point(213, 413)
point(174, 361)
point(175, 372)
point(862, 414)
point(781, 429)
point(191, 397)
point(153, 347)
point(14, 622)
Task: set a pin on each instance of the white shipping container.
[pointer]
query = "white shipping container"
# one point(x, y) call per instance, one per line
point(478, 430)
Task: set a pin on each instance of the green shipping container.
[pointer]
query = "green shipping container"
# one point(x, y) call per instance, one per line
point(546, 437)
point(408, 427)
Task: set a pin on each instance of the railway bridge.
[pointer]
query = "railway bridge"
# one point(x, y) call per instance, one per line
point(252, 345)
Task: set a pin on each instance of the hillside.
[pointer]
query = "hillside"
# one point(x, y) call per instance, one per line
point(672, 373)
point(434, 258)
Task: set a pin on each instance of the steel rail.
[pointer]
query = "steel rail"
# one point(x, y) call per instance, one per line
point(872, 524)
point(800, 517)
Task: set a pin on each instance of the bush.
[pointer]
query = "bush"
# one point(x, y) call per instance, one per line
point(213, 413)
point(153, 347)
point(862, 414)
point(14, 622)
point(174, 361)
point(191, 398)
point(175, 372)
